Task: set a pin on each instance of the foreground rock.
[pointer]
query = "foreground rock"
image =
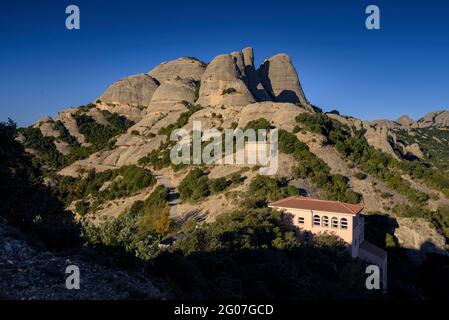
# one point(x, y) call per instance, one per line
point(35, 273)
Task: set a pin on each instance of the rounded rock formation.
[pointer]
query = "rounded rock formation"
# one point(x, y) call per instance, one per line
point(171, 92)
point(279, 78)
point(185, 68)
point(221, 84)
point(136, 90)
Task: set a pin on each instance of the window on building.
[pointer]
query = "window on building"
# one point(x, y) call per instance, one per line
point(344, 223)
point(316, 220)
point(301, 220)
point(325, 221)
point(334, 222)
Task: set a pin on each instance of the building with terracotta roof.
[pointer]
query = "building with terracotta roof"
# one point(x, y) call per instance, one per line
point(314, 216)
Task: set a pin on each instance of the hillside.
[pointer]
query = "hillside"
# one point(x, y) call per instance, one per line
point(108, 163)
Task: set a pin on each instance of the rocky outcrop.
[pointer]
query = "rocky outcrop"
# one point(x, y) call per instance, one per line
point(349, 121)
point(406, 122)
point(437, 118)
point(419, 236)
point(281, 115)
point(279, 78)
point(377, 136)
point(135, 90)
point(68, 120)
point(171, 92)
point(185, 68)
point(252, 78)
point(238, 59)
point(131, 112)
point(222, 84)
point(414, 149)
point(385, 123)
point(46, 126)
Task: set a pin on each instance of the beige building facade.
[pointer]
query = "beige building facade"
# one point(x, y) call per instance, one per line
point(315, 216)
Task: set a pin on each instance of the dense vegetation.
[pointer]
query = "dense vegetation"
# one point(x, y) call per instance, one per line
point(98, 135)
point(264, 189)
point(354, 147)
point(254, 254)
point(45, 148)
point(333, 187)
point(25, 201)
point(258, 124)
point(433, 142)
point(137, 230)
point(124, 181)
point(196, 185)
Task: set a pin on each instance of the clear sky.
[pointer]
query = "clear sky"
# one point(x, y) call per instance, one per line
point(403, 68)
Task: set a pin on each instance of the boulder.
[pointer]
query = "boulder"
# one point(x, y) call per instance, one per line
point(251, 77)
point(415, 150)
point(185, 68)
point(279, 78)
point(136, 90)
point(222, 84)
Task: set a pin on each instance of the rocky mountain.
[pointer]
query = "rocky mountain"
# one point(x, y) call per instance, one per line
point(109, 159)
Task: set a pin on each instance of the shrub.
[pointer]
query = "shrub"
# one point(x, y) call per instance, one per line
point(260, 123)
point(229, 91)
point(154, 217)
point(360, 175)
point(194, 186)
point(218, 185)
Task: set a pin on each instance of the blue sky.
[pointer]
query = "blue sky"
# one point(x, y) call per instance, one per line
point(401, 69)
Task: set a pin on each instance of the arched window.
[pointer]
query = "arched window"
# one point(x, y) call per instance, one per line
point(325, 221)
point(316, 220)
point(334, 222)
point(344, 223)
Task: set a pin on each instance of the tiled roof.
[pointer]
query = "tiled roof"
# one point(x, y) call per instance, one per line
point(299, 202)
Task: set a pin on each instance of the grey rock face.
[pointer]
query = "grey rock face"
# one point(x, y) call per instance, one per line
point(222, 84)
point(171, 92)
point(185, 68)
point(136, 90)
point(279, 78)
point(252, 79)
point(238, 59)
point(437, 118)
